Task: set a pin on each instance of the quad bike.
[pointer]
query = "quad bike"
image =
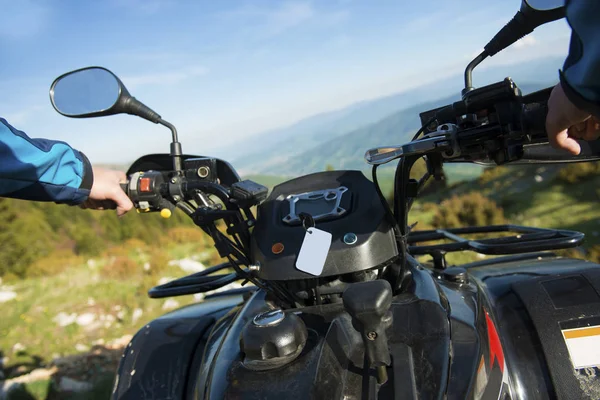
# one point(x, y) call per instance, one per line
point(334, 303)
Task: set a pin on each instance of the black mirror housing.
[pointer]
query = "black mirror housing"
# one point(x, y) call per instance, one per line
point(95, 100)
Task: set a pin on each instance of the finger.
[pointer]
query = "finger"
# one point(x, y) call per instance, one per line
point(563, 141)
point(552, 135)
point(123, 202)
point(121, 177)
point(592, 131)
point(578, 130)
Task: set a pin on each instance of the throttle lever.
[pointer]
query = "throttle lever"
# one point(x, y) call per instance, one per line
point(368, 303)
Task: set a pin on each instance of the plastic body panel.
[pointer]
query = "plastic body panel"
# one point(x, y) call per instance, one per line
point(529, 323)
point(365, 217)
point(472, 338)
point(158, 360)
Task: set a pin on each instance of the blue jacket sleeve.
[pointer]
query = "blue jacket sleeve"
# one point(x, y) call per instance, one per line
point(580, 76)
point(41, 169)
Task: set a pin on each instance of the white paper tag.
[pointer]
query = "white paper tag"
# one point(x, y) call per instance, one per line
point(313, 252)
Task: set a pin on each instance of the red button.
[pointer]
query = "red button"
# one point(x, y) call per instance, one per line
point(144, 184)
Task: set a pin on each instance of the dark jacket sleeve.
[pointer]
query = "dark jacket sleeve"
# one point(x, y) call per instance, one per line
point(41, 169)
point(580, 76)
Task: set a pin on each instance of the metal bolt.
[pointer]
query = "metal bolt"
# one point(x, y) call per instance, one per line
point(350, 238)
point(173, 180)
point(455, 274)
point(177, 197)
point(372, 335)
point(254, 267)
point(203, 172)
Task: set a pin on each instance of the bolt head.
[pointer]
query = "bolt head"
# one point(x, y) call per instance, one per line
point(350, 238)
point(372, 335)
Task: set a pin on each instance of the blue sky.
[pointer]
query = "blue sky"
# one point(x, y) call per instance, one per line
point(223, 70)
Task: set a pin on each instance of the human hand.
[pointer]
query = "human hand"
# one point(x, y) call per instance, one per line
point(106, 193)
point(565, 123)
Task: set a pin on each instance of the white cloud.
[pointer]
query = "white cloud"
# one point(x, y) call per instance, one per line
point(287, 15)
point(284, 16)
point(22, 116)
point(527, 41)
point(164, 78)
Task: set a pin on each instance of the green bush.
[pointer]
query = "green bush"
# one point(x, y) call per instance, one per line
point(184, 234)
point(591, 254)
point(491, 173)
point(472, 209)
point(579, 172)
point(25, 236)
point(55, 263)
point(31, 231)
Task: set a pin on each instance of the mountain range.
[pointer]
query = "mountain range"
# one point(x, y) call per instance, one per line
point(341, 137)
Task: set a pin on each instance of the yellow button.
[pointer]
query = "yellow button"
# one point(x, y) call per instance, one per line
point(165, 213)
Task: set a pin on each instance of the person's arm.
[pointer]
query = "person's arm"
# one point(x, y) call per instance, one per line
point(580, 77)
point(574, 104)
point(47, 170)
point(41, 169)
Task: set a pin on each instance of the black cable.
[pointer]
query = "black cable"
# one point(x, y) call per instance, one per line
point(245, 275)
point(420, 185)
point(182, 287)
point(422, 128)
point(400, 210)
point(384, 202)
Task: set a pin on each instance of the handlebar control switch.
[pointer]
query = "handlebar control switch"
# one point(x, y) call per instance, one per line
point(144, 190)
point(368, 303)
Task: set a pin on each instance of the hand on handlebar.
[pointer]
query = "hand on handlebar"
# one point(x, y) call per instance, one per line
point(565, 123)
point(107, 194)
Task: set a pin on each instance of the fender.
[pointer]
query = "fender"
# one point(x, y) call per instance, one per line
point(159, 359)
point(533, 298)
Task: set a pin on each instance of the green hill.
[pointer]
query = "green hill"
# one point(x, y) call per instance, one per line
point(30, 231)
point(545, 196)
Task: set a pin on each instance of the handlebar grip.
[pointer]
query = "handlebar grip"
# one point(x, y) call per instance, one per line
point(590, 151)
point(534, 118)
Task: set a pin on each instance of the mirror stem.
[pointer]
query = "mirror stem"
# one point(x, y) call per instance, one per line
point(469, 71)
point(176, 151)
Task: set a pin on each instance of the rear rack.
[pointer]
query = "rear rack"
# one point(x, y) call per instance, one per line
point(526, 240)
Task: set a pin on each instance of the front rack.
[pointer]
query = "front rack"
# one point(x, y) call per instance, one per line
point(526, 240)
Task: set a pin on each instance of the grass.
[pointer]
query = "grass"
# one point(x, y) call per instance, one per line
point(545, 203)
point(30, 318)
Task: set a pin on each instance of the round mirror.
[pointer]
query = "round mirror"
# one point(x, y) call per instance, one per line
point(85, 91)
point(545, 5)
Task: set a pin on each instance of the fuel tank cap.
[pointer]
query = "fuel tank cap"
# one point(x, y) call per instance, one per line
point(272, 339)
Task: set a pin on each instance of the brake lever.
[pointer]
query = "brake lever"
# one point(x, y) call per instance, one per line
point(441, 141)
